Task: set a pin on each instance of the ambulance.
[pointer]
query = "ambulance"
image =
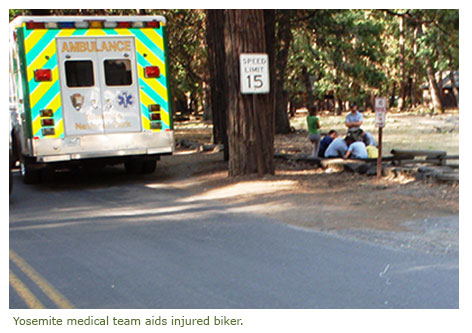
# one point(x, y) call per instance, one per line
point(89, 90)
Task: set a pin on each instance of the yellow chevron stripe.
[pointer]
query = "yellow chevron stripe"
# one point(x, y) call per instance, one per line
point(36, 125)
point(95, 32)
point(58, 129)
point(146, 122)
point(154, 36)
point(34, 38)
point(156, 86)
point(142, 48)
point(49, 51)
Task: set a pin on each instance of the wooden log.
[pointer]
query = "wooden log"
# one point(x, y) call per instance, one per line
point(414, 161)
point(450, 157)
point(400, 152)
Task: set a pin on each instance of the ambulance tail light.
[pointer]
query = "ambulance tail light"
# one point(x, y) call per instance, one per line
point(155, 116)
point(42, 75)
point(46, 113)
point(48, 131)
point(152, 72)
point(154, 107)
point(47, 122)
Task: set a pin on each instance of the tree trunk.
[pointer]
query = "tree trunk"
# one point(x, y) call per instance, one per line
point(415, 98)
point(455, 91)
point(283, 41)
point(401, 100)
point(310, 100)
point(392, 95)
point(216, 60)
point(251, 116)
point(433, 85)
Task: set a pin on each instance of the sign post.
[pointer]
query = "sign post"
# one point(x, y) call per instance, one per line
point(380, 120)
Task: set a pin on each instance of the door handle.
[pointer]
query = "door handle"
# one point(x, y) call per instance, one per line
point(94, 103)
point(108, 104)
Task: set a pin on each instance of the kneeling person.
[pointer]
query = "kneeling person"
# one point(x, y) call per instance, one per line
point(357, 149)
point(338, 147)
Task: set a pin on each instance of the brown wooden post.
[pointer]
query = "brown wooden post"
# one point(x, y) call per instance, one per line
point(379, 157)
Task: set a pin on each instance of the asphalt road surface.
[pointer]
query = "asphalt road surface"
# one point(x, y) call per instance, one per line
point(112, 240)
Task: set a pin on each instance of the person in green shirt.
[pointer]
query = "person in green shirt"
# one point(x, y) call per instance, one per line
point(314, 135)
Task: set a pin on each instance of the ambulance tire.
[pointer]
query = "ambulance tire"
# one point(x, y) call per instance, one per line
point(29, 174)
point(133, 166)
point(148, 167)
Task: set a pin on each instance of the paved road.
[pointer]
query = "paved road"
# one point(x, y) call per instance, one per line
point(111, 240)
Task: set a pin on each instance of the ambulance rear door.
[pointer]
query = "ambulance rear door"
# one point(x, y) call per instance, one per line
point(99, 85)
point(120, 86)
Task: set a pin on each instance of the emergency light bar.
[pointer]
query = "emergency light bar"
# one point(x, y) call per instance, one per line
point(88, 22)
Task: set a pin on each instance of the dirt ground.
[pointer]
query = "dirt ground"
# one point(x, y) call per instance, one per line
point(309, 197)
point(312, 198)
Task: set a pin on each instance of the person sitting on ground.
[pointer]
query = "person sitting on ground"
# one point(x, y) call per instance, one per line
point(314, 135)
point(338, 147)
point(326, 141)
point(354, 121)
point(356, 150)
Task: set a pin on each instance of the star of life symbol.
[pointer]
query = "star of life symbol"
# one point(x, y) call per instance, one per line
point(125, 99)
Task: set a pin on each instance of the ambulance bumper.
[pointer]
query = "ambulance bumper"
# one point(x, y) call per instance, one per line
point(103, 145)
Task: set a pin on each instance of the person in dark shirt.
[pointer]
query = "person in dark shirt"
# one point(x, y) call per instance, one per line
point(325, 142)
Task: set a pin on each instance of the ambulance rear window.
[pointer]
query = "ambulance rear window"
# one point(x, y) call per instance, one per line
point(118, 72)
point(79, 73)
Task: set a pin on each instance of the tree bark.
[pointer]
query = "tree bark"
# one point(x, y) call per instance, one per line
point(402, 97)
point(433, 85)
point(310, 100)
point(216, 61)
point(283, 41)
point(455, 91)
point(250, 117)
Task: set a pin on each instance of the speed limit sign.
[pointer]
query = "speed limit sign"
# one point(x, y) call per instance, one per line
point(254, 73)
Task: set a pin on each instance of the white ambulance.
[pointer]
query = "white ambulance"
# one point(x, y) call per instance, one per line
point(89, 89)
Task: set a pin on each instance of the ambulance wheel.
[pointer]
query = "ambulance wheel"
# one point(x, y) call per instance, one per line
point(149, 166)
point(29, 174)
point(133, 166)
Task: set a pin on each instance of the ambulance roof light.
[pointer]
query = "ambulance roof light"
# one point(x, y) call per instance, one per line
point(96, 24)
point(34, 25)
point(124, 25)
point(63, 25)
point(81, 25)
point(153, 24)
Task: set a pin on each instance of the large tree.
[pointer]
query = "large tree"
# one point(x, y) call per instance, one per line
point(217, 77)
point(250, 117)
